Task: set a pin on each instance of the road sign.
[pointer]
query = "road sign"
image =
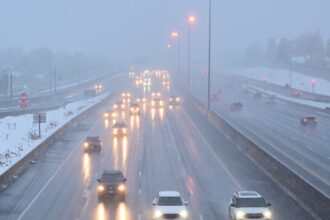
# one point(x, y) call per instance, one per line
point(23, 100)
point(39, 117)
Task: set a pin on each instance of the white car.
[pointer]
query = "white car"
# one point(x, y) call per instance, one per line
point(249, 205)
point(169, 204)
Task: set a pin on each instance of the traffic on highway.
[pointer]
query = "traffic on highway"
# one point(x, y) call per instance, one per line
point(157, 110)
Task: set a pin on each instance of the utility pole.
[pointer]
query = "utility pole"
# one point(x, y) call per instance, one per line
point(6, 85)
point(55, 80)
point(209, 59)
point(11, 87)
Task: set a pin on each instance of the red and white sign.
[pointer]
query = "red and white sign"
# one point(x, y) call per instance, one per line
point(23, 100)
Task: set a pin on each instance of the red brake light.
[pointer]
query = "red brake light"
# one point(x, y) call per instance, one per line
point(305, 119)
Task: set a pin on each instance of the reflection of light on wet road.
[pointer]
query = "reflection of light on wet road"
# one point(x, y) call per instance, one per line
point(101, 215)
point(153, 113)
point(190, 185)
point(124, 154)
point(87, 166)
point(168, 88)
point(161, 113)
point(122, 212)
point(134, 122)
point(144, 106)
point(115, 152)
point(131, 122)
point(106, 123)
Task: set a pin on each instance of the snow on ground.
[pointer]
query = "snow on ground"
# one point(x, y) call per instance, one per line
point(16, 133)
point(282, 77)
point(320, 105)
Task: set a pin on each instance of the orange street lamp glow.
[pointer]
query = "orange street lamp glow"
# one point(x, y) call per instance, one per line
point(174, 34)
point(191, 19)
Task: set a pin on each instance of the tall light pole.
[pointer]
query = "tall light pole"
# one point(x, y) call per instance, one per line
point(209, 58)
point(191, 20)
point(175, 36)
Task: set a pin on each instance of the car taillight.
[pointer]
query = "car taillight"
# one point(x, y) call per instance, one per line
point(316, 120)
point(305, 120)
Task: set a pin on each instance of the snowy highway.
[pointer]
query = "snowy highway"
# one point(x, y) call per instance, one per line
point(276, 128)
point(165, 150)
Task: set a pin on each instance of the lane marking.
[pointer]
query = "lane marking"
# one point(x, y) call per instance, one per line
point(140, 173)
point(139, 217)
point(139, 192)
point(201, 217)
point(36, 197)
point(210, 148)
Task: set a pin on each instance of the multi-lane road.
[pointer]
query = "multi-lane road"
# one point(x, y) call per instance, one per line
point(276, 128)
point(166, 149)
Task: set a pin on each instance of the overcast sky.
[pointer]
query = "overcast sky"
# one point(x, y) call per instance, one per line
point(125, 29)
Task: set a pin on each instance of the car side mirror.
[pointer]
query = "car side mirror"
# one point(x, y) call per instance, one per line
point(269, 204)
point(154, 202)
point(98, 180)
point(232, 205)
point(125, 179)
point(186, 203)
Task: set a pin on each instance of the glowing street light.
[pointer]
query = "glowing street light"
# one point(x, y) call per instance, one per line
point(191, 19)
point(175, 34)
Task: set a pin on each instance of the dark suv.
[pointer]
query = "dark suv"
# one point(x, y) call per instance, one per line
point(92, 143)
point(111, 185)
point(309, 121)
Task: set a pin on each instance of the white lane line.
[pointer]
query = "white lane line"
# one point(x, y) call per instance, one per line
point(201, 217)
point(139, 192)
point(139, 217)
point(140, 173)
point(54, 174)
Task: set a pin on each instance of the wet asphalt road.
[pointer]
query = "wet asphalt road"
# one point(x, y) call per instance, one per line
point(165, 150)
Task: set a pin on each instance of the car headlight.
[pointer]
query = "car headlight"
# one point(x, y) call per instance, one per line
point(115, 106)
point(177, 99)
point(124, 130)
point(121, 187)
point(100, 188)
point(268, 214)
point(114, 131)
point(106, 115)
point(240, 215)
point(184, 214)
point(114, 115)
point(158, 214)
point(85, 144)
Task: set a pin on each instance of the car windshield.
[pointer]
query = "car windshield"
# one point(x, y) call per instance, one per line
point(169, 201)
point(251, 202)
point(112, 177)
